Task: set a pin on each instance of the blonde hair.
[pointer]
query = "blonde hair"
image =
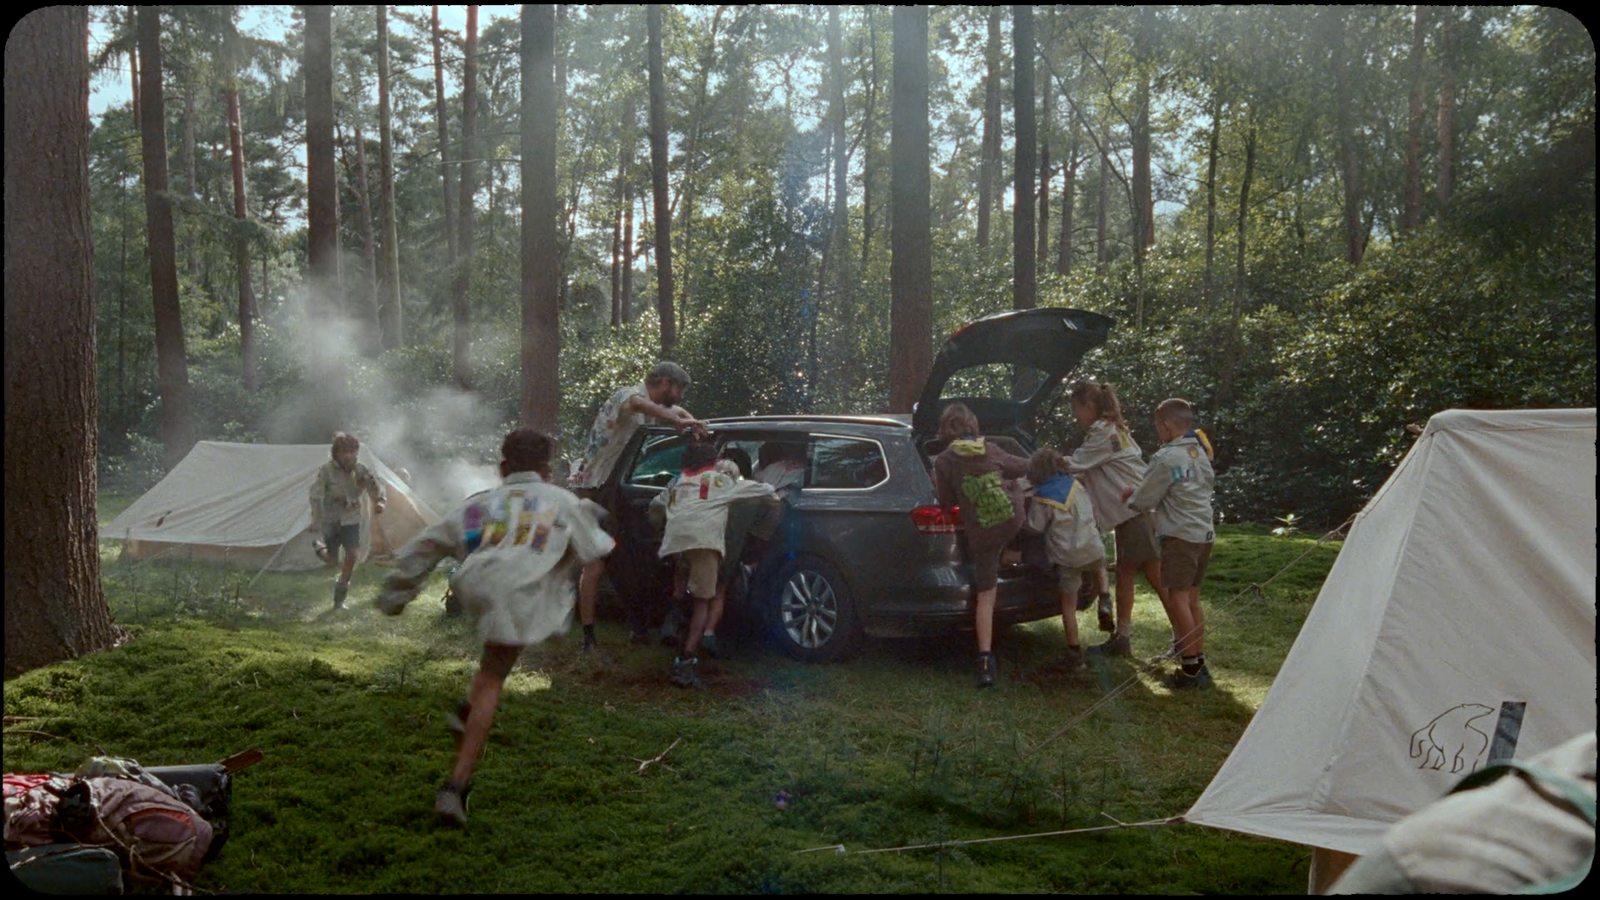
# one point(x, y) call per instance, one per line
point(1101, 398)
point(1044, 465)
point(1176, 412)
point(957, 421)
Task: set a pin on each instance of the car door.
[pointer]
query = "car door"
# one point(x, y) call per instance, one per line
point(647, 466)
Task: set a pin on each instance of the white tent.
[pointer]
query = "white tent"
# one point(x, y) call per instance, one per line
point(248, 505)
point(1457, 625)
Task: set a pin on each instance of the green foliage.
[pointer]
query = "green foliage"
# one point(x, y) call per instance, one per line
point(892, 749)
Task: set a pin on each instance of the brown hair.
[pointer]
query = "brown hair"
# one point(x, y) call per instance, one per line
point(1044, 465)
point(957, 422)
point(1176, 412)
point(342, 441)
point(698, 455)
point(1102, 398)
point(525, 450)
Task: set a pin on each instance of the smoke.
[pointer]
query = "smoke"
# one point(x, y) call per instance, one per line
point(444, 441)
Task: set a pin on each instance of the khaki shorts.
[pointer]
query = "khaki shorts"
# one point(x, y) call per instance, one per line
point(1136, 540)
point(1070, 579)
point(703, 567)
point(1183, 563)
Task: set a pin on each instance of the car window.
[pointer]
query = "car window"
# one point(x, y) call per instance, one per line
point(659, 459)
point(993, 380)
point(846, 463)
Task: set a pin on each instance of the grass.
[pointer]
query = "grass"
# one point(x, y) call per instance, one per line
point(893, 748)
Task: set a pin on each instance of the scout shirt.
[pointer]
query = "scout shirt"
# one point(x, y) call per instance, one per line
point(697, 508)
point(1108, 461)
point(336, 494)
point(972, 474)
point(1177, 485)
point(517, 543)
point(608, 437)
point(1060, 509)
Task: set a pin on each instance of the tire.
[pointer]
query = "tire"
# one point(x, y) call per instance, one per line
point(811, 611)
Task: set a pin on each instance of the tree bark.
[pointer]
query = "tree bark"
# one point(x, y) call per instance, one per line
point(1023, 274)
point(1447, 100)
point(1102, 201)
point(989, 155)
point(55, 608)
point(541, 289)
point(841, 155)
point(616, 247)
point(1143, 203)
point(461, 293)
point(1244, 208)
point(1411, 213)
point(133, 72)
point(444, 141)
point(1211, 198)
point(172, 366)
point(322, 222)
point(370, 240)
point(241, 244)
point(869, 121)
point(1069, 177)
point(630, 137)
point(1044, 175)
point(389, 316)
point(910, 235)
point(1349, 160)
point(658, 177)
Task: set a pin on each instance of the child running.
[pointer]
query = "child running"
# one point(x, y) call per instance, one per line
point(1177, 487)
point(696, 525)
point(519, 544)
point(1059, 508)
point(337, 512)
point(1109, 462)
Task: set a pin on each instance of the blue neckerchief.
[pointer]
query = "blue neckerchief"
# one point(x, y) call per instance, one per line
point(1057, 489)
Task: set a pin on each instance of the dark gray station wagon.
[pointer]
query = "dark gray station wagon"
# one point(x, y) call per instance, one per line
point(864, 548)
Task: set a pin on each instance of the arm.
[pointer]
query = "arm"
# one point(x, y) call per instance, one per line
point(676, 416)
point(1013, 466)
point(416, 560)
point(375, 489)
point(1097, 449)
point(316, 502)
point(1157, 479)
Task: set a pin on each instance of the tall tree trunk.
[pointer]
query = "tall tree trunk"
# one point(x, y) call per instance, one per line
point(371, 243)
point(461, 293)
point(241, 244)
point(172, 366)
point(1349, 160)
point(989, 154)
point(688, 183)
point(1211, 197)
point(1411, 214)
point(1447, 100)
point(1069, 177)
point(616, 248)
point(1244, 209)
point(910, 233)
point(389, 316)
point(1044, 175)
point(1023, 275)
point(658, 178)
point(1143, 203)
point(630, 137)
point(869, 120)
point(322, 188)
point(191, 262)
point(541, 289)
point(55, 605)
point(841, 155)
point(1102, 207)
point(133, 72)
point(444, 141)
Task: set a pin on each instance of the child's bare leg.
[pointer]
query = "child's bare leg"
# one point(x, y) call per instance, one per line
point(1069, 617)
point(697, 624)
point(1199, 619)
point(1152, 575)
point(349, 566)
point(485, 698)
point(1125, 573)
point(1177, 606)
point(984, 618)
point(589, 589)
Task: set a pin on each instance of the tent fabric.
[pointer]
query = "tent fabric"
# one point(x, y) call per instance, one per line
point(1465, 588)
point(248, 505)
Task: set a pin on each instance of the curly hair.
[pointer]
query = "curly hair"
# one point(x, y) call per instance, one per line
point(342, 441)
point(525, 450)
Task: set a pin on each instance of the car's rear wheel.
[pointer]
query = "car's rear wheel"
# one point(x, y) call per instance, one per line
point(812, 612)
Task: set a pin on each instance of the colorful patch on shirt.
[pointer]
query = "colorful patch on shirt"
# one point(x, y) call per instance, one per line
point(472, 525)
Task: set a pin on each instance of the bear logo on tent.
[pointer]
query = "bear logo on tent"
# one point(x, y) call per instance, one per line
point(1451, 737)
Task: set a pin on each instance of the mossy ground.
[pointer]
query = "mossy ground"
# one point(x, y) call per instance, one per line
point(892, 748)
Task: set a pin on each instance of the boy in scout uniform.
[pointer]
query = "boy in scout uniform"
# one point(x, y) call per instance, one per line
point(337, 511)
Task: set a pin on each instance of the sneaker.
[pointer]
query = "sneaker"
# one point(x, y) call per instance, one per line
point(987, 667)
point(451, 803)
point(1116, 645)
point(683, 672)
point(1108, 616)
point(1181, 680)
point(1171, 654)
point(456, 719)
point(339, 592)
point(708, 644)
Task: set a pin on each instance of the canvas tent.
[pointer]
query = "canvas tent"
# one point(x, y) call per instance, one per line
point(248, 505)
point(1456, 626)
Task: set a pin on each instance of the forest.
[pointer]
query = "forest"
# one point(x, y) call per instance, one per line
point(1319, 224)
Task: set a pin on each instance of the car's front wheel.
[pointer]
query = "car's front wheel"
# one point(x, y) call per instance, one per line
point(813, 615)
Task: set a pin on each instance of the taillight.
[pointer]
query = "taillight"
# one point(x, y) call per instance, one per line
point(936, 519)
